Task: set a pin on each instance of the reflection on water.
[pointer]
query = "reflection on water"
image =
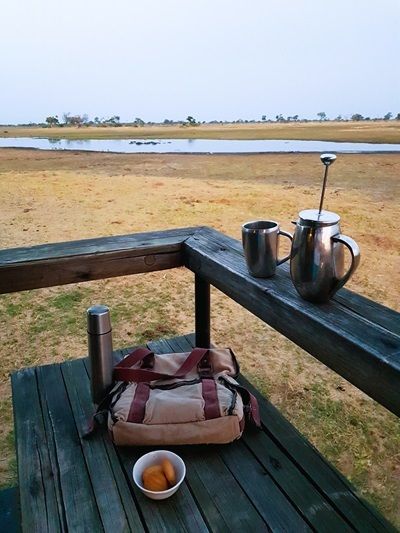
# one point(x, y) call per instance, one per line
point(208, 146)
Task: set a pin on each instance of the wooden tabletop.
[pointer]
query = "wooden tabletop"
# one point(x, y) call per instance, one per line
point(271, 479)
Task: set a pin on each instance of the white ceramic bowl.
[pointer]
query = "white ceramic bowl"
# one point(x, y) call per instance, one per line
point(155, 458)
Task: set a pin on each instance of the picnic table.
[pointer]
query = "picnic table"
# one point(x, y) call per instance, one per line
point(270, 480)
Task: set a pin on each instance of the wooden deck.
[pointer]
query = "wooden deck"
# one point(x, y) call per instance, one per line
point(270, 480)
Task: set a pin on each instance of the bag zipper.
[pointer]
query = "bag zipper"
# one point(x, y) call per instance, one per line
point(176, 385)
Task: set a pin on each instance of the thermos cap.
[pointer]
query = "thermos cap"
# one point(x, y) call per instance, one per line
point(98, 319)
point(312, 217)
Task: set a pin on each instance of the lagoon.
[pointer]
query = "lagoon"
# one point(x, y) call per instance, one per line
point(195, 146)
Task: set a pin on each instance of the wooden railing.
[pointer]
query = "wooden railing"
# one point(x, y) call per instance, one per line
point(356, 337)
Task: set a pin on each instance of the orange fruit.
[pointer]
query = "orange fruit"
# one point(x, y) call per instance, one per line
point(169, 471)
point(154, 479)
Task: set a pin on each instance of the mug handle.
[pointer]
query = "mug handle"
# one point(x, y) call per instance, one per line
point(355, 257)
point(289, 236)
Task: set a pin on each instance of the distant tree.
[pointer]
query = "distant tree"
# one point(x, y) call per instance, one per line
point(78, 120)
point(52, 121)
point(191, 121)
point(357, 117)
point(264, 118)
point(295, 118)
point(112, 121)
point(397, 116)
point(279, 118)
point(138, 121)
point(339, 118)
point(168, 121)
point(97, 121)
point(322, 115)
point(75, 120)
point(388, 116)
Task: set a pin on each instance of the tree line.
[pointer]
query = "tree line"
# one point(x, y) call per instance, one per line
point(67, 119)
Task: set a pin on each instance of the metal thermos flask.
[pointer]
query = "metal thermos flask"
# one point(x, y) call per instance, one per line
point(100, 350)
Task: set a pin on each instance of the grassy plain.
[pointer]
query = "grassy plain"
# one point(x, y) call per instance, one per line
point(57, 196)
point(366, 131)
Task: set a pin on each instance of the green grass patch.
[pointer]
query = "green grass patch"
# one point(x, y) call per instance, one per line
point(352, 439)
point(12, 309)
point(67, 300)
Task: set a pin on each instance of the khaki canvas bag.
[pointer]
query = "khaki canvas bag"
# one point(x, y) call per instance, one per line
point(179, 398)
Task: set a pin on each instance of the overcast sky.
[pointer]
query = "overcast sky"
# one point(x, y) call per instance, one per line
point(213, 59)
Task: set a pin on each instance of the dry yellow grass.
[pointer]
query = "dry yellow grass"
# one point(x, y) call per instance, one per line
point(376, 131)
point(57, 196)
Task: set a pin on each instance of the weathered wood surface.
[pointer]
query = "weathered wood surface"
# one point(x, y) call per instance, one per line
point(10, 514)
point(359, 347)
point(39, 508)
point(300, 471)
point(70, 262)
point(271, 480)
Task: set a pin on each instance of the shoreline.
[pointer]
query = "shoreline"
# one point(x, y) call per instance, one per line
point(293, 152)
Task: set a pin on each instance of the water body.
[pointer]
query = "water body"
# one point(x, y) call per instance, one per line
point(195, 146)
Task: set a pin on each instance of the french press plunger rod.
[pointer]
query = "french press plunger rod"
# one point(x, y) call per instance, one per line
point(317, 265)
point(327, 160)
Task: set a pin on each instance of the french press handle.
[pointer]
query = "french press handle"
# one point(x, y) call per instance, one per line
point(355, 258)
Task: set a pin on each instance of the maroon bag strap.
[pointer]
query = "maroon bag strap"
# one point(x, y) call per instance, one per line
point(250, 403)
point(122, 372)
point(134, 357)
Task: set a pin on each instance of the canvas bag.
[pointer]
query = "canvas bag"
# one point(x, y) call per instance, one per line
point(179, 398)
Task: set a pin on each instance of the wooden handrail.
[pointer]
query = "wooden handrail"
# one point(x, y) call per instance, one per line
point(61, 263)
point(356, 337)
point(364, 348)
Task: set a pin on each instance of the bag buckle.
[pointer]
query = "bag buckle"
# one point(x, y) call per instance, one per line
point(204, 368)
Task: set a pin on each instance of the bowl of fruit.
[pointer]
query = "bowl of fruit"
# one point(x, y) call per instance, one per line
point(159, 474)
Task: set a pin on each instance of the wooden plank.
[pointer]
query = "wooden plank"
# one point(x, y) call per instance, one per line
point(335, 487)
point(138, 243)
point(373, 311)
point(177, 513)
point(124, 484)
point(295, 490)
point(225, 505)
point(10, 513)
point(39, 509)
point(81, 512)
point(363, 352)
point(90, 259)
point(117, 509)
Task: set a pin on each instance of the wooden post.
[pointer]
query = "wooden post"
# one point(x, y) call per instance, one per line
point(202, 311)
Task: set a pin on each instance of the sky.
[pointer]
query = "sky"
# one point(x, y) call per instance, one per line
point(212, 59)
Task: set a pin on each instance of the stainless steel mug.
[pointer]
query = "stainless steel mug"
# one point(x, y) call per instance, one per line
point(100, 350)
point(260, 243)
point(317, 255)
